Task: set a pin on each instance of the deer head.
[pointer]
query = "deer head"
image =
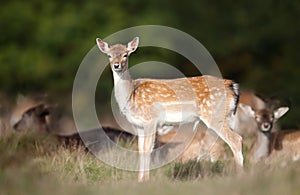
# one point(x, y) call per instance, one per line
point(118, 54)
point(265, 118)
point(30, 115)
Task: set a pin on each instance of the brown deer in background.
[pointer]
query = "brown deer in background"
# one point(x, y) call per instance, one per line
point(34, 116)
point(244, 124)
point(265, 135)
point(30, 115)
point(285, 147)
point(150, 104)
point(204, 145)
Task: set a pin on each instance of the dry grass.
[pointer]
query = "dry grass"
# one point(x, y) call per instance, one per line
point(33, 164)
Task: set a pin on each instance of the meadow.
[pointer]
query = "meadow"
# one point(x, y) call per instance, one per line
point(43, 44)
point(39, 164)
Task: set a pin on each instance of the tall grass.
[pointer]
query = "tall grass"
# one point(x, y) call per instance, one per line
point(32, 164)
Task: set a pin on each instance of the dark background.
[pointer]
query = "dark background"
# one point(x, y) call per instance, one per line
point(256, 44)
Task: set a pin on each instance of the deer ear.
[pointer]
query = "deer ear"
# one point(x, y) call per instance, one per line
point(103, 46)
point(247, 110)
point(42, 110)
point(132, 45)
point(279, 112)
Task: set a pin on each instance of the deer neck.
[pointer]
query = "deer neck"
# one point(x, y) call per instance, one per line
point(123, 89)
point(261, 147)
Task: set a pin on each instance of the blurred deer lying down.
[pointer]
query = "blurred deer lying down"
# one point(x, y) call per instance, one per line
point(284, 146)
point(92, 138)
point(203, 145)
point(30, 115)
point(35, 116)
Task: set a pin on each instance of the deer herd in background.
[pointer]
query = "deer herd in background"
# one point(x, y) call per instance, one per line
point(155, 108)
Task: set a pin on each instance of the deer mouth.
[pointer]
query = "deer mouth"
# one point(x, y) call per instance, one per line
point(117, 67)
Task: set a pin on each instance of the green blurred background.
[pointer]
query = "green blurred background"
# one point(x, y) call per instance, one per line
point(256, 43)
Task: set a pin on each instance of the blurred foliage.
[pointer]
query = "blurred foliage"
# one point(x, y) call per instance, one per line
point(255, 43)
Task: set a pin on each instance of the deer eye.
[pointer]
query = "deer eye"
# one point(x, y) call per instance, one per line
point(109, 56)
point(125, 56)
point(257, 118)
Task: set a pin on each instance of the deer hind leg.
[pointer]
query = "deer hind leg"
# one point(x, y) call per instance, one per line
point(234, 141)
point(210, 147)
point(146, 139)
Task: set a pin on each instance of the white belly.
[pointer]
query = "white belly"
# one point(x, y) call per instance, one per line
point(179, 117)
point(168, 113)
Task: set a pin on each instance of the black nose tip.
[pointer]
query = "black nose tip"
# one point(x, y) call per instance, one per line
point(116, 66)
point(266, 126)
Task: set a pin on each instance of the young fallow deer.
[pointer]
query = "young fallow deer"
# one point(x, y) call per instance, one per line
point(150, 104)
point(265, 134)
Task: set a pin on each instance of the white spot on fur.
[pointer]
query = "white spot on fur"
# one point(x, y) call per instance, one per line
point(200, 106)
point(208, 103)
point(166, 95)
point(219, 94)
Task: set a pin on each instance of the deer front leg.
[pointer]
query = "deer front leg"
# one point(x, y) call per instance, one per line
point(141, 142)
point(146, 138)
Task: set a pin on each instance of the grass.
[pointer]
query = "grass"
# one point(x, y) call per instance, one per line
point(32, 164)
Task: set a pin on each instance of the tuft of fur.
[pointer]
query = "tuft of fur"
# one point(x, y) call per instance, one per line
point(236, 90)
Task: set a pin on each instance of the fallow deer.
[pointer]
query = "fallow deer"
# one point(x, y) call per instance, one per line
point(265, 119)
point(149, 104)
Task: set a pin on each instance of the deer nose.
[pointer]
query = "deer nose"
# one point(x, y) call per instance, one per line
point(266, 126)
point(116, 65)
